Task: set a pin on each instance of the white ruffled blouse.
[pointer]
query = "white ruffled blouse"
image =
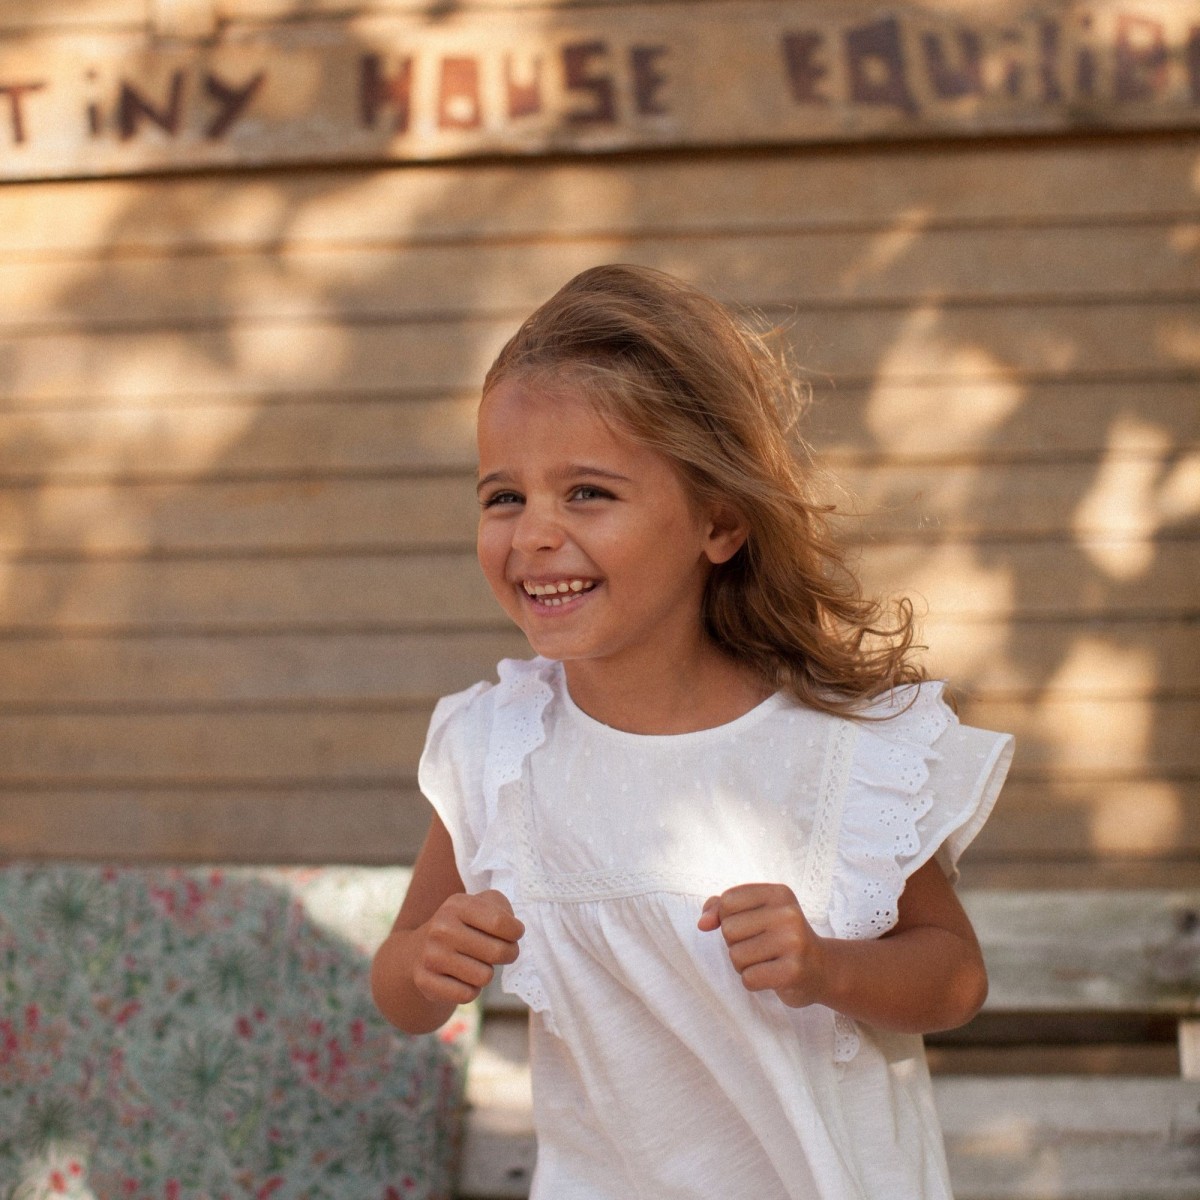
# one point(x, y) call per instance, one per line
point(656, 1075)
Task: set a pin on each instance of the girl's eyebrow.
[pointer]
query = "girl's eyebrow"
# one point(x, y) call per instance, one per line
point(570, 471)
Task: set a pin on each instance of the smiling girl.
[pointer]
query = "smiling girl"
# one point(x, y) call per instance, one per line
point(709, 830)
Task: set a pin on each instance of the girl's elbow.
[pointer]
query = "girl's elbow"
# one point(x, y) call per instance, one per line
point(967, 993)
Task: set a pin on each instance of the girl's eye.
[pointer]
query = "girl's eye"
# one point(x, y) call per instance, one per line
point(588, 491)
point(501, 498)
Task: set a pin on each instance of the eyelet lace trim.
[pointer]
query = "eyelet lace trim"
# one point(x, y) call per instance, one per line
point(886, 798)
point(517, 731)
point(866, 824)
point(817, 877)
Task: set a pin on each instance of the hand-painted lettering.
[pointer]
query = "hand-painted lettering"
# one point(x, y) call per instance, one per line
point(876, 67)
point(522, 88)
point(1049, 41)
point(379, 89)
point(133, 108)
point(15, 94)
point(459, 103)
point(578, 59)
point(648, 79)
point(805, 70)
point(1140, 59)
point(1191, 55)
point(953, 80)
point(233, 101)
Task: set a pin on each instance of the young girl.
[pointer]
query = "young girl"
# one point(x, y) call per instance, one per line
point(707, 830)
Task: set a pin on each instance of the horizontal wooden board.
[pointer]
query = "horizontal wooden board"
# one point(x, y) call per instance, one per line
point(1127, 660)
point(806, 270)
point(236, 437)
point(1057, 870)
point(1069, 1139)
point(400, 593)
point(1096, 736)
point(214, 672)
point(927, 342)
point(1046, 815)
point(891, 190)
point(302, 824)
point(1000, 419)
point(606, 79)
point(374, 743)
point(1018, 579)
point(211, 518)
point(363, 745)
point(182, 439)
point(882, 503)
point(1099, 952)
point(21, 16)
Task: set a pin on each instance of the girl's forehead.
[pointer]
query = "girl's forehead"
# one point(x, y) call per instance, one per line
point(518, 406)
point(530, 425)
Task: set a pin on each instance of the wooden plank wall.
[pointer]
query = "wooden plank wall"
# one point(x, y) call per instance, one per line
point(236, 511)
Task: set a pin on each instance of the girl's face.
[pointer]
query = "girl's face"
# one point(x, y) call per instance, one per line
point(589, 539)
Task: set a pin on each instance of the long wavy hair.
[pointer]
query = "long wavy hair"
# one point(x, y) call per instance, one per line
point(672, 368)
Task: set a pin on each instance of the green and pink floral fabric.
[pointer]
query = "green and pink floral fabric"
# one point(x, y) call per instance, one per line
point(208, 1034)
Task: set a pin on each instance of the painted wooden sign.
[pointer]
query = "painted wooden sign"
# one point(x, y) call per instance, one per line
point(590, 80)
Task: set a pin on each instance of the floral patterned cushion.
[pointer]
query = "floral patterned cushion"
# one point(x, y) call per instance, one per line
point(208, 1034)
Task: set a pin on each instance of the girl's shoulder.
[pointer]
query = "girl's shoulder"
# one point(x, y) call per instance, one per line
point(918, 783)
point(464, 720)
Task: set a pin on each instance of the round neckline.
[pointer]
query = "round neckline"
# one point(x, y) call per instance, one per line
point(751, 716)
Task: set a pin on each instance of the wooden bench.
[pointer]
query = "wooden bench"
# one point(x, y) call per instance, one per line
point(1080, 1080)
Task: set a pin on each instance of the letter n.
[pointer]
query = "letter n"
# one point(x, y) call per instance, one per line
point(133, 107)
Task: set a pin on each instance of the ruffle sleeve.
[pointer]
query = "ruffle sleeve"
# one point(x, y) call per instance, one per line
point(450, 773)
point(920, 784)
point(475, 751)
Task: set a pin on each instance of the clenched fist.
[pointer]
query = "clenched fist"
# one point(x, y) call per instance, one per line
point(462, 944)
point(771, 944)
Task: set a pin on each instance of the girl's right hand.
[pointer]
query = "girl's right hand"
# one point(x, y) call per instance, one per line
point(462, 944)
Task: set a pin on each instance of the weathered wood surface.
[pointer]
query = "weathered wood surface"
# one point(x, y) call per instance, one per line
point(235, 459)
point(929, 343)
point(801, 271)
point(1089, 950)
point(196, 87)
point(890, 197)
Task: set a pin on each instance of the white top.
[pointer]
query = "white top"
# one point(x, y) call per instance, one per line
point(656, 1075)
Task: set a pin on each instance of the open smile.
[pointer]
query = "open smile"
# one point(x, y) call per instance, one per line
point(555, 593)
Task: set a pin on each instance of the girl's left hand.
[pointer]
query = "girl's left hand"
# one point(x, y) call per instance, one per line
point(771, 944)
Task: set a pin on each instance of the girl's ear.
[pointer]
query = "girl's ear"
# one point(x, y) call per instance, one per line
point(726, 534)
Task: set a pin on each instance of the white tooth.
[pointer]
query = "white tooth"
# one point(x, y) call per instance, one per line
point(564, 587)
point(554, 603)
point(577, 585)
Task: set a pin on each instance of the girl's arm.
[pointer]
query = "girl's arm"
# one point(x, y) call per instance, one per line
point(444, 945)
point(924, 974)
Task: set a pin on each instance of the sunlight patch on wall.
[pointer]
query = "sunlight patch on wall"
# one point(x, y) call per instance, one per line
point(1074, 719)
point(1146, 818)
point(885, 249)
point(943, 580)
point(1133, 497)
point(970, 394)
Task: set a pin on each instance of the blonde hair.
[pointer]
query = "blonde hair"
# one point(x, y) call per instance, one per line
point(671, 367)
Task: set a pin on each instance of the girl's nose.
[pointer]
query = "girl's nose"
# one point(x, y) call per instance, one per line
point(537, 529)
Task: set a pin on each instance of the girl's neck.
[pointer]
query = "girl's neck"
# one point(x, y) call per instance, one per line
point(712, 690)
